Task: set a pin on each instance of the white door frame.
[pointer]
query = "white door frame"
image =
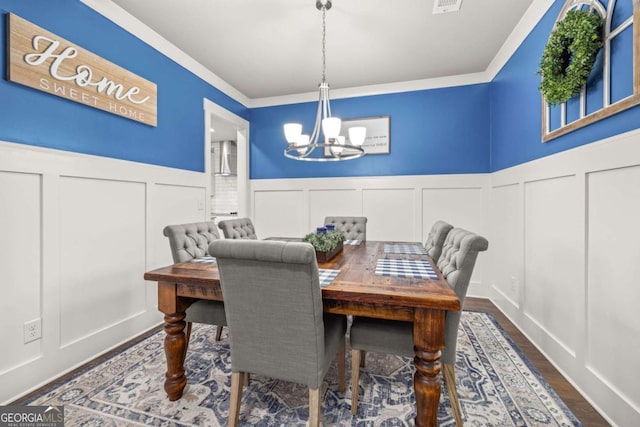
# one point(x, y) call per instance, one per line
point(242, 130)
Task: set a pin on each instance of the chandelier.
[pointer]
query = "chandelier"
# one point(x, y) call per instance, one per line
point(333, 147)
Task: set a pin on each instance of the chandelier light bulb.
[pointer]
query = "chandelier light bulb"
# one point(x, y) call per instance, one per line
point(331, 127)
point(357, 134)
point(292, 132)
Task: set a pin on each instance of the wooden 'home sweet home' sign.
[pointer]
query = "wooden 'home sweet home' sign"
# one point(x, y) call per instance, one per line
point(43, 61)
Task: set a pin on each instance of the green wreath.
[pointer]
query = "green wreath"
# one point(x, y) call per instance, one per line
point(569, 55)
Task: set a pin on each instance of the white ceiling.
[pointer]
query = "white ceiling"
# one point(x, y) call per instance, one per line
point(273, 48)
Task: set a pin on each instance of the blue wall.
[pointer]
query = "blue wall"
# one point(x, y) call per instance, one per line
point(32, 117)
point(467, 129)
point(439, 131)
point(516, 135)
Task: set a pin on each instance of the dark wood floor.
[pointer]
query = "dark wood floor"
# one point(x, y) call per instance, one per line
point(574, 400)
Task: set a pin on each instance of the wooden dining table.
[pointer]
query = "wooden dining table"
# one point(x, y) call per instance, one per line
point(357, 290)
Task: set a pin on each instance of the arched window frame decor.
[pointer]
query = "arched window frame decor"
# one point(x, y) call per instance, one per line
point(608, 108)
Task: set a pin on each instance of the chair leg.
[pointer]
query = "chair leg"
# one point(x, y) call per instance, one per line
point(355, 377)
point(187, 333)
point(341, 367)
point(237, 379)
point(314, 407)
point(450, 378)
point(218, 332)
point(363, 355)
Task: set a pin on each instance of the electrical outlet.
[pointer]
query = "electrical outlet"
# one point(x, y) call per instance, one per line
point(32, 330)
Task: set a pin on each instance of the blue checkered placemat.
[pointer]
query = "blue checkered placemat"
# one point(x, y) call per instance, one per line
point(409, 249)
point(327, 276)
point(413, 268)
point(352, 242)
point(204, 260)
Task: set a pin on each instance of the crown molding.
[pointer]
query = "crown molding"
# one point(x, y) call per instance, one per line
point(382, 89)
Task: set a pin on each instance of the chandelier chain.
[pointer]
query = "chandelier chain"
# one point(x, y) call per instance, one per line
point(324, 41)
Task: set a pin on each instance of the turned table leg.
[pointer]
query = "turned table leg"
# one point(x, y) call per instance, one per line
point(428, 339)
point(174, 345)
point(173, 308)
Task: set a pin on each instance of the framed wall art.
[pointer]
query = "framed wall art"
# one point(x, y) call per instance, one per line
point(377, 139)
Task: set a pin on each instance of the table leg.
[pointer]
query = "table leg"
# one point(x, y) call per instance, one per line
point(428, 339)
point(174, 345)
point(175, 342)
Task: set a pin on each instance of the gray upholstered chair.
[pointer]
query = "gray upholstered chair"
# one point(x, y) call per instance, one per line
point(436, 238)
point(353, 227)
point(238, 228)
point(277, 327)
point(458, 258)
point(189, 241)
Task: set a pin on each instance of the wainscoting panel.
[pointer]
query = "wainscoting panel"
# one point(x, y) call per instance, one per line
point(391, 214)
point(20, 265)
point(552, 252)
point(102, 225)
point(507, 242)
point(613, 294)
point(568, 223)
point(171, 204)
point(79, 231)
point(280, 213)
point(324, 203)
point(462, 207)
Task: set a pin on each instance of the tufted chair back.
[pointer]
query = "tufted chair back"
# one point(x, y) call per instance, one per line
point(188, 241)
point(239, 228)
point(458, 258)
point(353, 227)
point(435, 239)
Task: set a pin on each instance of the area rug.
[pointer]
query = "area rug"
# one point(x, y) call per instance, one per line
point(496, 384)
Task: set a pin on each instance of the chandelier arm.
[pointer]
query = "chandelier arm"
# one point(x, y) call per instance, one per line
point(328, 102)
point(355, 152)
point(316, 128)
point(326, 109)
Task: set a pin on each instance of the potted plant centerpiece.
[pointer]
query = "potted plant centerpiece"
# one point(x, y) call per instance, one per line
point(327, 241)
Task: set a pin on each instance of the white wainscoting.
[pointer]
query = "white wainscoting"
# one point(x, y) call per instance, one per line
point(400, 208)
point(565, 265)
point(562, 260)
point(79, 232)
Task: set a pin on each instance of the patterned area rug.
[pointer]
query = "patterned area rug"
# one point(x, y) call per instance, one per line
point(496, 384)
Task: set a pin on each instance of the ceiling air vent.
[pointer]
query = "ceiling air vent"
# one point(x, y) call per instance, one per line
point(445, 6)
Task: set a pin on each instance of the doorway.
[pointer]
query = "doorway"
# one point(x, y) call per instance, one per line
point(223, 125)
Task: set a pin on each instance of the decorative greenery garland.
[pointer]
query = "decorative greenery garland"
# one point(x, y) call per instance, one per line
point(569, 55)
